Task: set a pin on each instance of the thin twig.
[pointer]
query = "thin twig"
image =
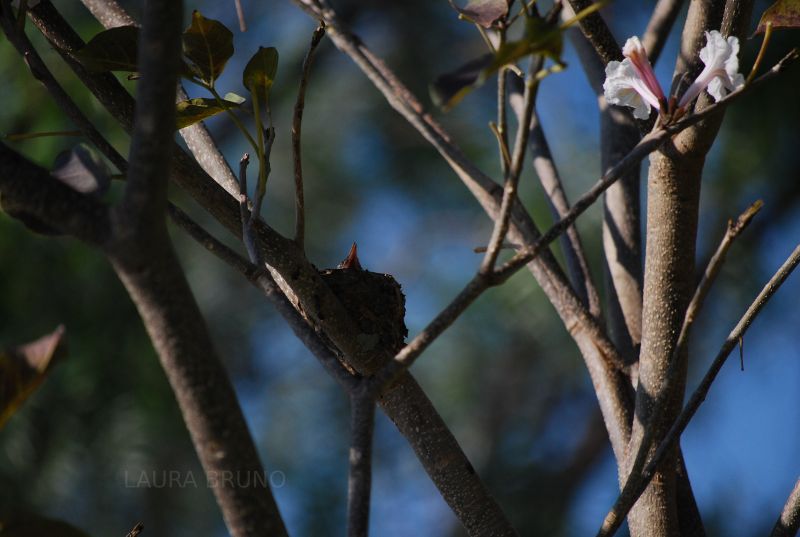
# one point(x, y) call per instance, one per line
point(240, 16)
point(715, 263)
point(788, 522)
point(136, 530)
point(512, 179)
point(480, 283)
point(502, 122)
point(248, 237)
point(359, 485)
point(637, 483)
point(226, 254)
point(502, 114)
point(297, 124)
point(263, 279)
point(647, 145)
point(550, 179)
point(63, 100)
point(424, 429)
point(587, 333)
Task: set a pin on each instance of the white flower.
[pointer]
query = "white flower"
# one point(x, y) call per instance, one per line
point(721, 72)
point(632, 81)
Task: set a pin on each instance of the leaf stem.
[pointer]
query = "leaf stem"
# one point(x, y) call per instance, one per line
point(761, 52)
point(233, 117)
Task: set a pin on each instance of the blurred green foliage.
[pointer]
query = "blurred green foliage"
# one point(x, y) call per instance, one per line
point(506, 377)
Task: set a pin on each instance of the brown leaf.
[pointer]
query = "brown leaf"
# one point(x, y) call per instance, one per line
point(23, 368)
point(483, 12)
point(782, 14)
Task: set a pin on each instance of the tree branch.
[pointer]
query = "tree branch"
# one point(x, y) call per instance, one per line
point(406, 404)
point(297, 124)
point(543, 163)
point(651, 434)
point(145, 261)
point(659, 26)
point(41, 73)
point(515, 170)
point(598, 33)
point(646, 145)
point(29, 193)
point(594, 345)
point(638, 482)
point(788, 522)
point(109, 13)
point(734, 229)
point(362, 422)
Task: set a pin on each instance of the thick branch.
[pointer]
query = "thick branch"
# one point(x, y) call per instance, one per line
point(637, 483)
point(30, 193)
point(659, 27)
point(788, 523)
point(145, 261)
point(145, 198)
point(598, 33)
point(672, 212)
point(203, 391)
point(109, 13)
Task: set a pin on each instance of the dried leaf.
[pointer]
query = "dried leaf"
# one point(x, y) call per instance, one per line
point(782, 14)
point(483, 12)
point(23, 368)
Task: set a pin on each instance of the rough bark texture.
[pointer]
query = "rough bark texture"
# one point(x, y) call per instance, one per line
point(622, 241)
point(203, 390)
point(673, 197)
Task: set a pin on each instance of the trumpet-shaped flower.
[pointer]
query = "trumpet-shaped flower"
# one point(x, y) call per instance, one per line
point(721, 72)
point(632, 81)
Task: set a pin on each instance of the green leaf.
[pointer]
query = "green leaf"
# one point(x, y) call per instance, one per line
point(482, 12)
point(23, 368)
point(111, 50)
point(193, 111)
point(259, 74)
point(208, 45)
point(781, 14)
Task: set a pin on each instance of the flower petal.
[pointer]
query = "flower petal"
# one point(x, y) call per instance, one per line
point(624, 87)
point(721, 72)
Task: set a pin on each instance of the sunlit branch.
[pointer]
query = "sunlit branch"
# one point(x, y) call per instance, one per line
point(637, 483)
